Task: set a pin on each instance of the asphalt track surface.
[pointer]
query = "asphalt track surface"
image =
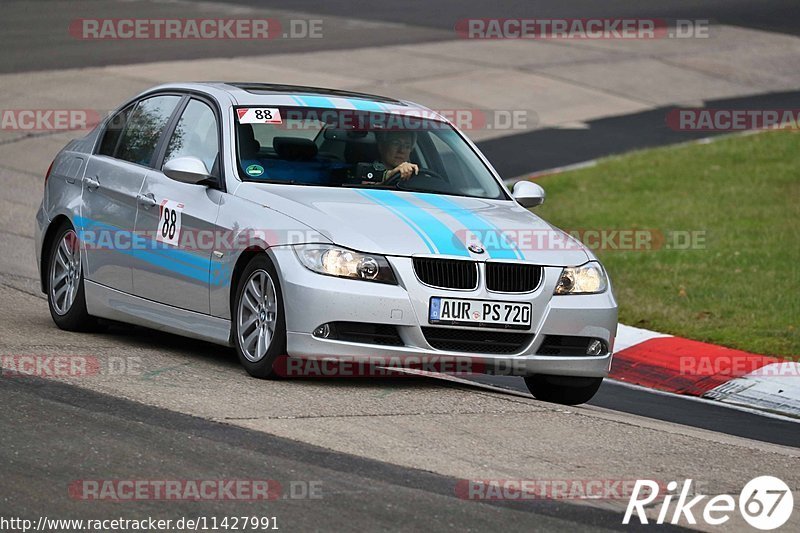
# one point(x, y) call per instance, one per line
point(27, 48)
point(53, 433)
point(770, 15)
point(549, 148)
point(31, 30)
point(49, 445)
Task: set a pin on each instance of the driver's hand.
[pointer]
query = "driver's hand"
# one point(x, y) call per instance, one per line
point(406, 170)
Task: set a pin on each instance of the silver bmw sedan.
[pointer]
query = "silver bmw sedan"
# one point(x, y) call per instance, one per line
point(307, 224)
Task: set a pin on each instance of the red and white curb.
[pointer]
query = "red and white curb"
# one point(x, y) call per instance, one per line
point(683, 366)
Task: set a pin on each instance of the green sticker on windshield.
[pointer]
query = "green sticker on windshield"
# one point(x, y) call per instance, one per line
point(254, 170)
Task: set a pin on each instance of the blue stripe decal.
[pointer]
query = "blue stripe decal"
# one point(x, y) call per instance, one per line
point(439, 234)
point(497, 245)
point(366, 105)
point(144, 244)
point(431, 246)
point(156, 253)
point(315, 101)
point(358, 104)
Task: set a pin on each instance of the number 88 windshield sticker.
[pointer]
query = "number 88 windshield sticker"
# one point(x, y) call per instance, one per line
point(169, 222)
point(259, 115)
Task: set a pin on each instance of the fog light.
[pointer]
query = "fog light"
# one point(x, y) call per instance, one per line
point(323, 331)
point(595, 347)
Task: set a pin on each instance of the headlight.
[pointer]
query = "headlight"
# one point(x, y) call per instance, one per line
point(585, 279)
point(344, 263)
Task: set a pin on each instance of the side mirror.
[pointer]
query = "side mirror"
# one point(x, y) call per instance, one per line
point(186, 170)
point(528, 194)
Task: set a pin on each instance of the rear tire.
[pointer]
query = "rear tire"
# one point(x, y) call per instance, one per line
point(257, 318)
point(66, 297)
point(566, 390)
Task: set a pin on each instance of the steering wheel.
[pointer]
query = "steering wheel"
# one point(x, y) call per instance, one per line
point(396, 179)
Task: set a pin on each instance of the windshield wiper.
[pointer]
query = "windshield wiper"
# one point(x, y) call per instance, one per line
point(369, 186)
point(280, 182)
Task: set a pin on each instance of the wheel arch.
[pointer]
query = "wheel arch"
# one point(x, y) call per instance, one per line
point(241, 262)
point(47, 241)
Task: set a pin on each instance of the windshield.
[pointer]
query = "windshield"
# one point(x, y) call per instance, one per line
point(343, 148)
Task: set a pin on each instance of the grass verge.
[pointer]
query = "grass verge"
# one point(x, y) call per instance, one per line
point(735, 200)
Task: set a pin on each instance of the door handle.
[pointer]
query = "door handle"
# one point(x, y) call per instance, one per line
point(91, 182)
point(146, 200)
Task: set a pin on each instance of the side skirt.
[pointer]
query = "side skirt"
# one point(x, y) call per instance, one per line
point(104, 302)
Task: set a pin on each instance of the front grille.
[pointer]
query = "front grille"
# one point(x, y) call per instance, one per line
point(476, 341)
point(380, 334)
point(447, 273)
point(512, 277)
point(566, 345)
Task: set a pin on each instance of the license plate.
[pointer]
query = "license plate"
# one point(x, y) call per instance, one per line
point(455, 311)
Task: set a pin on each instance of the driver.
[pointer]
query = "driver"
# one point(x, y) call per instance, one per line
point(394, 150)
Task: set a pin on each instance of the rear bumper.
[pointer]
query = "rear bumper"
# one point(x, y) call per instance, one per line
point(311, 299)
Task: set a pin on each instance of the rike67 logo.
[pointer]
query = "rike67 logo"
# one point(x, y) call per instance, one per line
point(765, 502)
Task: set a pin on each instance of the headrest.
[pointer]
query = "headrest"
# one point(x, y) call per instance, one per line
point(341, 134)
point(248, 145)
point(361, 152)
point(294, 148)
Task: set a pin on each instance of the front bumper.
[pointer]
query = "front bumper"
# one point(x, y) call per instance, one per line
point(311, 299)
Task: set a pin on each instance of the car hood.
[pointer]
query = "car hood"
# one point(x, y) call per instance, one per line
point(405, 223)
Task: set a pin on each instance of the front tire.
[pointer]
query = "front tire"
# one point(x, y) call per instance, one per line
point(66, 297)
point(566, 390)
point(258, 320)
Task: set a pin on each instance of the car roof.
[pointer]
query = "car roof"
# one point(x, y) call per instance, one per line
point(253, 93)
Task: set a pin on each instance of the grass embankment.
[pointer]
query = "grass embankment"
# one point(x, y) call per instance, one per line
point(741, 288)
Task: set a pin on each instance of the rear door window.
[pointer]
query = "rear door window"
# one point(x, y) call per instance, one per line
point(144, 128)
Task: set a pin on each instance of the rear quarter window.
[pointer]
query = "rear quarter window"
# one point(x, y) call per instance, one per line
point(114, 128)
